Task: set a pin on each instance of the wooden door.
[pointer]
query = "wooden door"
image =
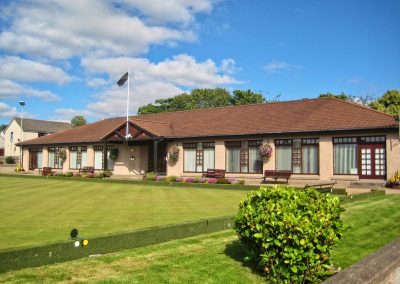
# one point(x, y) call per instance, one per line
point(33, 160)
point(372, 161)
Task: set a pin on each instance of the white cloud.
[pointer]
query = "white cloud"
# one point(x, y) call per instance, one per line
point(6, 111)
point(150, 81)
point(181, 70)
point(19, 69)
point(112, 102)
point(11, 89)
point(160, 11)
point(279, 66)
point(96, 82)
point(66, 114)
point(66, 28)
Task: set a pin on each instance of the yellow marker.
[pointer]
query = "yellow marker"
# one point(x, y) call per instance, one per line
point(85, 242)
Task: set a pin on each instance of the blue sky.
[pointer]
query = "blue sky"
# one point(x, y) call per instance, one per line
point(64, 57)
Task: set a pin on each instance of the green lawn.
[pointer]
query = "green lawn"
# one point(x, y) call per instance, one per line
point(214, 258)
point(40, 210)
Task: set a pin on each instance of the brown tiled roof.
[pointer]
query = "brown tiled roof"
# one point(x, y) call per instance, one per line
point(309, 115)
point(45, 126)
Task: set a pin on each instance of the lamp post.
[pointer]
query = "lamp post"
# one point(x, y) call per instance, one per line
point(22, 104)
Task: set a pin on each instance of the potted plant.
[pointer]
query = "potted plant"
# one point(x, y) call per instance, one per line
point(265, 151)
point(394, 181)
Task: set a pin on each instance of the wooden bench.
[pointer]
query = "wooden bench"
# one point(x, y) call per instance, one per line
point(46, 171)
point(322, 187)
point(277, 175)
point(86, 170)
point(214, 173)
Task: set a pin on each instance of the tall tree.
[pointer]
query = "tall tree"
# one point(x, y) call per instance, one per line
point(389, 102)
point(244, 97)
point(78, 120)
point(341, 96)
point(203, 98)
point(3, 127)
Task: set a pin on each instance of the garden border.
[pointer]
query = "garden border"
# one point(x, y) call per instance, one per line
point(13, 259)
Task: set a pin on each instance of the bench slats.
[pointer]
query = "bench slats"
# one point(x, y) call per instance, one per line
point(277, 175)
point(214, 173)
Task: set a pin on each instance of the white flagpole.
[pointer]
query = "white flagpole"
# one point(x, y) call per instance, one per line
point(127, 111)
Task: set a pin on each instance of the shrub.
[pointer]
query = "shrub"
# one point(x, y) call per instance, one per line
point(202, 180)
point(69, 174)
point(160, 178)
point(89, 175)
point(242, 181)
point(77, 175)
point(150, 176)
point(179, 179)
point(107, 173)
point(98, 175)
point(212, 180)
point(189, 180)
point(223, 181)
point(10, 160)
point(60, 174)
point(19, 169)
point(171, 179)
point(290, 233)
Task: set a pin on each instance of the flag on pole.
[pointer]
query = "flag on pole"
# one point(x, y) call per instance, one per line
point(123, 79)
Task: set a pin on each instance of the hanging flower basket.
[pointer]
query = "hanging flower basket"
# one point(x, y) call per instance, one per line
point(62, 154)
point(173, 154)
point(114, 154)
point(265, 151)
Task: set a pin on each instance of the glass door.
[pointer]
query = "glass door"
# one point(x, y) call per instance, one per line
point(372, 161)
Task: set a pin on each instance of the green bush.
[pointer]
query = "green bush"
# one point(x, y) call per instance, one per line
point(107, 173)
point(171, 179)
point(10, 160)
point(223, 181)
point(150, 176)
point(290, 233)
point(242, 181)
point(69, 174)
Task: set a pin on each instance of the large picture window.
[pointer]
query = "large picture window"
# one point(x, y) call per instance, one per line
point(300, 156)
point(243, 156)
point(54, 161)
point(198, 157)
point(77, 157)
point(345, 156)
point(99, 158)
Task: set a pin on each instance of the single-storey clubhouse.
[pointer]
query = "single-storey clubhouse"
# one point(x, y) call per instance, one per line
point(323, 139)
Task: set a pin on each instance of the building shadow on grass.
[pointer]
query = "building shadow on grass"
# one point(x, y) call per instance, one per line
point(238, 252)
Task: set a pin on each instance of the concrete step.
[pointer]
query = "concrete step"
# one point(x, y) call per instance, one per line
point(357, 190)
point(368, 184)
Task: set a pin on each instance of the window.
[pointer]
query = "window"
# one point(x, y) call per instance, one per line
point(54, 161)
point(77, 157)
point(99, 158)
point(11, 136)
point(297, 155)
point(110, 162)
point(198, 157)
point(345, 156)
point(35, 158)
point(243, 156)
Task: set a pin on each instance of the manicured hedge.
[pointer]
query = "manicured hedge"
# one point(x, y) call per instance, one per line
point(63, 251)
